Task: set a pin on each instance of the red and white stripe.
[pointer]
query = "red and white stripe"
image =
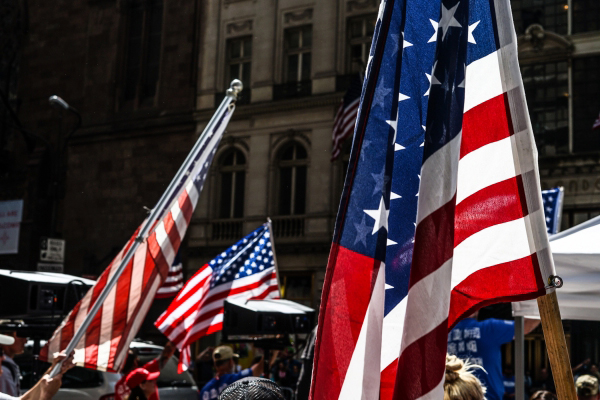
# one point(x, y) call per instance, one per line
point(343, 125)
point(486, 219)
point(106, 340)
point(173, 283)
point(197, 310)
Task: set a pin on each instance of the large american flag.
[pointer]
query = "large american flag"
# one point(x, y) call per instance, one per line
point(106, 341)
point(343, 124)
point(442, 127)
point(246, 270)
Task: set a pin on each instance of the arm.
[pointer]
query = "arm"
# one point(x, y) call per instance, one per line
point(47, 387)
point(258, 368)
point(166, 354)
point(530, 325)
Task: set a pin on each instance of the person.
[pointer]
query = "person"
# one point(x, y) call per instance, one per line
point(47, 387)
point(307, 357)
point(252, 388)
point(122, 390)
point(203, 367)
point(480, 342)
point(459, 382)
point(543, 395)
point(142, 384)
point(223, 358)
point(587, 387)
point(10, 380)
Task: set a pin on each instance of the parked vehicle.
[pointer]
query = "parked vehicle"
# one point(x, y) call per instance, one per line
point(88, 384)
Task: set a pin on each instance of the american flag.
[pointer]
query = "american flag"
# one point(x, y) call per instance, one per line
point(553, 202)
point(246, 270)
point(343, 125)
point(106, 341)
point(596, 123)
point(174, 281)
point(442, 124)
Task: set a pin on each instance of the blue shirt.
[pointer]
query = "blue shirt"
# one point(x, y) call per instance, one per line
point(215, 386)
point(479, 342)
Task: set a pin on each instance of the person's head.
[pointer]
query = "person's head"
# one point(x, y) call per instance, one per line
point(143, 378)
point(587, 387)
point(4, 341)
point(223, 358)
point(252, 388)
point(17, 346)
point(460, 383)
point(131, 362)
point(543, 395)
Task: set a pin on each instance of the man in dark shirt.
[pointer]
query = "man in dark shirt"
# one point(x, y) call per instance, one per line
point(223, 358)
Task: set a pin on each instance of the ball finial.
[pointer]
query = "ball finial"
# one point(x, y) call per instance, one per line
point(235, 88)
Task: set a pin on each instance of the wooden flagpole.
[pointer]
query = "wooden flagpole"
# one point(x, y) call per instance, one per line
point(557, 347)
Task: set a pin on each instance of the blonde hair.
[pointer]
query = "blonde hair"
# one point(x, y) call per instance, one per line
point(460, 383)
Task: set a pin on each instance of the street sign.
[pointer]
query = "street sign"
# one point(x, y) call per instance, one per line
point(52, 250)
point(50, 267)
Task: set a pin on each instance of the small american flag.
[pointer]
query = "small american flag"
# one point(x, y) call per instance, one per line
point(441, 212)
point(174, 281)
point(553, 204)
point(343, 125)
point(106, 340)
point(596, 123)
point(246, 270)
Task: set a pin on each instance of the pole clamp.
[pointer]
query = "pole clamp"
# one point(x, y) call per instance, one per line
point(554, 282)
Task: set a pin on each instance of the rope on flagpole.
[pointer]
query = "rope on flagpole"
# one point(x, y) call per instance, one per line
point(230, 97)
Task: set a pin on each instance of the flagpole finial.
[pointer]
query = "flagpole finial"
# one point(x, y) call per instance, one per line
point(235, 88)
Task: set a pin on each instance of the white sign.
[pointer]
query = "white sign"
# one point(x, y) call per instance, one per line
point(50, 267)
point(11, 214)
point(52, 250)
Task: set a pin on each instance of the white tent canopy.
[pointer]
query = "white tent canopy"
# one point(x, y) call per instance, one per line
point(576, 254)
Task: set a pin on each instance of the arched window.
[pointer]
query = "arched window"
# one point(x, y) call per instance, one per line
point(232, 170)
point(292, 164)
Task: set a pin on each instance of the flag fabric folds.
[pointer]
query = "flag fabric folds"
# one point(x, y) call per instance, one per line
point(246, 270)
point(553, 204)
point(174, 281)
point(343, 124)
point(441, 212)
point(106, 341)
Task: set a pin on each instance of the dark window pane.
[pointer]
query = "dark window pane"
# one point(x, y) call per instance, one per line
point(288, 153)
point(300, 152)
point(293, 39)
point(229, 159)
point(356, 28)
point(370, 26)
point(300, 192)
point(247, 47)
point(226, 181)
point(236, 49)
point(134, 51)
point(551, 14)
point(307, 36)
point(151, 71)
point(238, 199)
point(586, 103)
point(306, 66)
point(246, 74)
point(234, 71)
point(285, 191)
point(240, 158)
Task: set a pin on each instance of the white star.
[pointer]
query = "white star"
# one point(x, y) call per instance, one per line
point(388, 286)
point(435, 29)
point(398, 147)
point(471, 29)
point(402, 97)
point(462, 84)
point(390, 242)
point(448, 19)
point(381, 9)
point(380, 216)
point(432, 79)
point(405, 44)
point(394, 196)
point(429, 79)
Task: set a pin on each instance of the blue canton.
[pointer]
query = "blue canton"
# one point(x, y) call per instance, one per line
point(251, 255)
point(552, 199)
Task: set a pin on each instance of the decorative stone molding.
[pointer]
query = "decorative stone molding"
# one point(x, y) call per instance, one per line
point(298, 17)
point(239, 28)
point(281, 138)
point(362, 5)
point(536, 42)
point(234, 141)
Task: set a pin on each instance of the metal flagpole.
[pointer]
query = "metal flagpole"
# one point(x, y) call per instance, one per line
point(230, 97)
point(272, 234)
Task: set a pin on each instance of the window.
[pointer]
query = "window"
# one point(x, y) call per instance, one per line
point(575, 217)
point(360, 33)
point(233, 180)
point(298, 43)
point(292, 165)
point(551, 14)
point(143, 45)
point(546, 89)
point(586, 103)
point(239, 60)
point(586, 15)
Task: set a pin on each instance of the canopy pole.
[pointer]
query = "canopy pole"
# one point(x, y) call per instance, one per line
point(519, 358)
point(557, 347)
point(231, 96)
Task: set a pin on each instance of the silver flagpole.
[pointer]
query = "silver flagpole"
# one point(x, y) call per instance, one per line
point(230, 97)
point(274, 254)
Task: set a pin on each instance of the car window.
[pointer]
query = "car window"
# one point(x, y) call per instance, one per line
point(168, 374)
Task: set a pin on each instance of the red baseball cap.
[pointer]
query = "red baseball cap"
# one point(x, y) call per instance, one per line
point(139, 375)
